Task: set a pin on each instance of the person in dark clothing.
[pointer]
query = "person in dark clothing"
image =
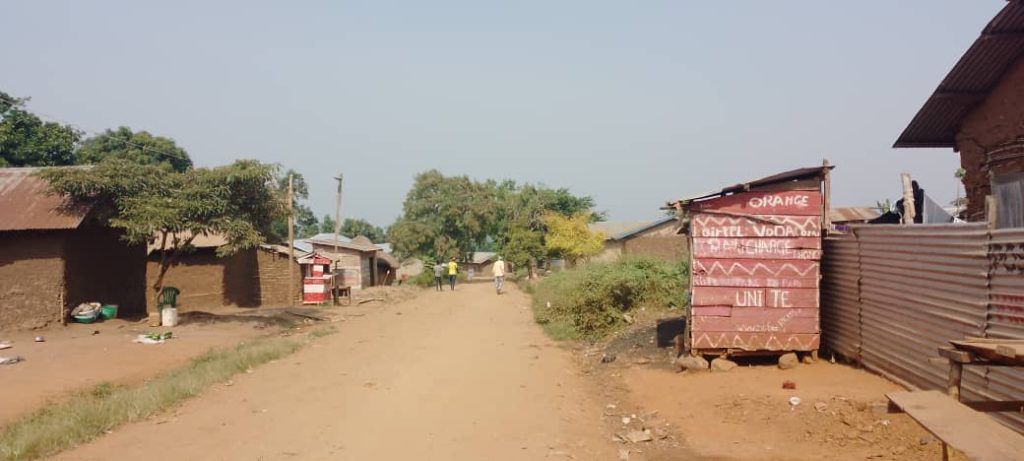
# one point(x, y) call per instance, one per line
point(439, 275)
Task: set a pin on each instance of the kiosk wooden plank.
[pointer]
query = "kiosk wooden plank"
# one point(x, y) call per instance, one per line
point(978, 436)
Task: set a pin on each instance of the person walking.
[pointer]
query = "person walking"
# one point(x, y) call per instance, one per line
point(438, 274)
point(453, 270)
point(499, 274)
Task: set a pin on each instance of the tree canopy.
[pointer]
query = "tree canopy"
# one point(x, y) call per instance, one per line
point(137, 146)
point(353, 227)
point(570, 237)
point(26, 140)
point(447, 217)
point(148, 202)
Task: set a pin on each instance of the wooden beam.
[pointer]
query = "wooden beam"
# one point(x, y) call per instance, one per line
point(975, 434)
point(1014, 406)
point(956, 355)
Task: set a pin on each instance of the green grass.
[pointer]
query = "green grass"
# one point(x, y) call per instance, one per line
point(588, 303)
point(88, 415)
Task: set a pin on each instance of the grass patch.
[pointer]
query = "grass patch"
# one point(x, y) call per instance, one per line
point(92, 413)
point(588, 303)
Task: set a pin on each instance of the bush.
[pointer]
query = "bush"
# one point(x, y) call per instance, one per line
point(588, 302)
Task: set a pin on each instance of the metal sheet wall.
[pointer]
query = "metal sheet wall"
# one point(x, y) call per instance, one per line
point(894, 294)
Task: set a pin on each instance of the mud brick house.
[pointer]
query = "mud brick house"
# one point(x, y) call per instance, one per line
point(978, 110)
point(658, 239)
point(360, 263)
point(254, 277)
point(52, 258)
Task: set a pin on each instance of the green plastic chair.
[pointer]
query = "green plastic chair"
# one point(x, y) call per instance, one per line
point(168, 297)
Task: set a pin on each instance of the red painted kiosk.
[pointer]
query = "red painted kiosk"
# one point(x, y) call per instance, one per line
point(316, 279)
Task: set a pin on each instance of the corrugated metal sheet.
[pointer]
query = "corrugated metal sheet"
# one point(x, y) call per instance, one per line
point(1006, 313)
point(840, 293)
point(790, 176)
point(920, 287)
point(893, 294)
point(977, 72)
point(25, 205)
point(852, 214)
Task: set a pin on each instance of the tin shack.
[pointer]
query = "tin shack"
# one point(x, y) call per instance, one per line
point(754, 261)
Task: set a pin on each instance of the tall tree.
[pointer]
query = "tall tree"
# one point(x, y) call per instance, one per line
point(444, 217)
point(26, 140)
point(353, 227)
point(154, 202)
point(137, 146)
point(327, 224)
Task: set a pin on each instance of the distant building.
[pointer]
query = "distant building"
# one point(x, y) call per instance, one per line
point(481, 264)
point(658, 238)
point(842, 218)
point(978, 110)
point(53, 258)
point(359, 261)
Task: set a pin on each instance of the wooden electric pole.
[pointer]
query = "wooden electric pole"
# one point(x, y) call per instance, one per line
point(337, 215)
point(291, 241)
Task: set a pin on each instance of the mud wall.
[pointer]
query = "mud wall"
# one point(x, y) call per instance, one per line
point(100, 267)
point(31, 278)
point(208, 281)
point(997, 120)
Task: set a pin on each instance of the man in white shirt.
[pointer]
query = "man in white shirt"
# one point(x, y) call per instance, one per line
point(499, 274)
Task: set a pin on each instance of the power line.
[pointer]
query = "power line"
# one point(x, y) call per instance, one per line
point(109, 134)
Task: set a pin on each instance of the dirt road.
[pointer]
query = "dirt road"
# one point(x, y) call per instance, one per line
point(463, 375)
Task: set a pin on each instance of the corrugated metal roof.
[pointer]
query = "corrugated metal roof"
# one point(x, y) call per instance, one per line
point(200, 241)
point(977, 72)
point(798, 174)
point(481, 257)
point(610, 229)
point(853, 214)
point(25, 204)
point(352, 245)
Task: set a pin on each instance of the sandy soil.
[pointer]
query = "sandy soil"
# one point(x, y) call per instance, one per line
point(74, 359)
point(464, 375)
point(745, 414)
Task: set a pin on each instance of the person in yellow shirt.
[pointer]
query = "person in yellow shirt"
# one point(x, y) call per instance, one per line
point(453, 270)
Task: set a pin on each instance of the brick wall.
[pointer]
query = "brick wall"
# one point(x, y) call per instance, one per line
point(660, 242)
point(273, 278)
point(31, 278)
point(997, 120)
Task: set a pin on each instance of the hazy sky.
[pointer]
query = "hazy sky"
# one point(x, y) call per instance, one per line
point(632, 102)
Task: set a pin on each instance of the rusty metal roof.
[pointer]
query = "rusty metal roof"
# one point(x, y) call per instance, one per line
point(25, 204)
point(786, 176)
point(977, 72)
point(853, 214)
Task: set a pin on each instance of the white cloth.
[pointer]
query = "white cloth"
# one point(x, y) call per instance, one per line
point(498, 269)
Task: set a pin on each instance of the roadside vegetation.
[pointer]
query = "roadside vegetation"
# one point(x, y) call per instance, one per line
point(594, 300)
point(91, 414)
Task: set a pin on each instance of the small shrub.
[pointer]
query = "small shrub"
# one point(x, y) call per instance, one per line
point(588, 302)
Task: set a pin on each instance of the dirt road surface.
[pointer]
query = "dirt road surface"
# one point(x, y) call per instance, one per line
point(463, 375)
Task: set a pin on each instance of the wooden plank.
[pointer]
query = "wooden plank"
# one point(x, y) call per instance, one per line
point(955, 355)
point(979, 437)
point(1005, 353)
point(749, 341)
point(788, 203)
point(1009, 406)
point(755, 297)
point(715, 225)
point(757, 248)
point(719, 311)
point(766, 324)
point(729, 311)
point(768, 273)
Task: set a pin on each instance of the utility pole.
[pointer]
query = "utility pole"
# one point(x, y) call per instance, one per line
point(291, 242)
point(337, 215)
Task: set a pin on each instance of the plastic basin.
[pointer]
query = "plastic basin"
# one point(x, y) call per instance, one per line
point(108, 311)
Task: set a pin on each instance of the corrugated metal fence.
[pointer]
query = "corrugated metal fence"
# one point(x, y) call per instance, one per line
point(892, 295)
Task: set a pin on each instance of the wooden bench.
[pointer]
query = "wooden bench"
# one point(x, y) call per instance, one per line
point(974, 434)
point(338, 292)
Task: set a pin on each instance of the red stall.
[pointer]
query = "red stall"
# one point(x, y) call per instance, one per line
point(317, 279)
point(755, 253)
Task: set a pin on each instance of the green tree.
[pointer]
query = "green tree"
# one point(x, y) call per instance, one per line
point(444, 217)
point(570, 238)
point(150, 202)
point(353, 227)
point(26, 140)
point(306, 224)
point(137, 146)
point(327, 224)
